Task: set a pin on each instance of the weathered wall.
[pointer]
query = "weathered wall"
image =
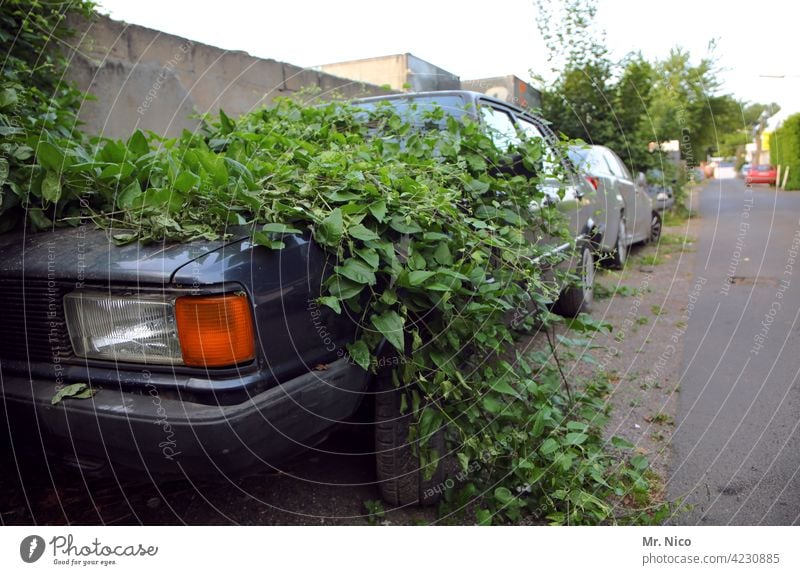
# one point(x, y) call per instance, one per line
point(508, 88)
point(402, 72)
point(146, 79)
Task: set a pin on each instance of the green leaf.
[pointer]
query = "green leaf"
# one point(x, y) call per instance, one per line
point(356, 270)
point(443, 255)
point(429, 423)
point(343, 196)
point(378, 210)
point(129, 195)
point(8, 98)
point(50, 157)
point(75, 390)
point(483, 517)
point(360, 353)
point(186, 181)
point(362, 233)
point(502, 386)
point(329, 232)
point(416, 278)
point(399, 224)
point(391, 325)
point(463, 459)
point(577, 426)
point(639, 462)
point(331, 302)
point(51, 187)
point(503, 495)
point(621, 443)
point(548, 446)
point(137, 144)
point(538, 424)
point(39, 220)
point(389, 297)
point(492, 405)
point(370, 257)
point(266, 240)
point(225, 122)
point(3, 171)
point(576, 438)
point(342, 288)
point(124, 238)
point(280, 229)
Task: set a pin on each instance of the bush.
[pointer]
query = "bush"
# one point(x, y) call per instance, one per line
point(784, 150)
point(35, 103)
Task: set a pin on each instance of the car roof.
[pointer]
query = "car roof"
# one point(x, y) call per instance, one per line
point(467, 95)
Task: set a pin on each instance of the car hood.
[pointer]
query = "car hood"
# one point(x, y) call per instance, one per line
point(89, 254)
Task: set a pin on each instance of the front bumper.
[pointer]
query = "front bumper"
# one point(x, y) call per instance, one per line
point(151, 433)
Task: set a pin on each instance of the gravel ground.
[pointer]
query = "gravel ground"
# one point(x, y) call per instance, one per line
point(644, 303)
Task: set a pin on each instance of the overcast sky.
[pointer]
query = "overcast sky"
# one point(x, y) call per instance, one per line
point(481, 39)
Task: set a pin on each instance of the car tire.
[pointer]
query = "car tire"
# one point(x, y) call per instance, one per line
point(579, 298)
point(655, 228)
point(399, 473)
point(620, 254)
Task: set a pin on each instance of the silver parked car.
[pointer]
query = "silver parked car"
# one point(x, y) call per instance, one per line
point(626, 213)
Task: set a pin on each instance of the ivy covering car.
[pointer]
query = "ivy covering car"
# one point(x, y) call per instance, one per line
point(211, 305)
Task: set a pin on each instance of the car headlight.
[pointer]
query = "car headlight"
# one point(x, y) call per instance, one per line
point(662, 196)
point(198, 331)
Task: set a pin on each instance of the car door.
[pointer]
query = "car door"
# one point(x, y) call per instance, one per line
point(577, 200)
point(637, 210)
point(609, 202)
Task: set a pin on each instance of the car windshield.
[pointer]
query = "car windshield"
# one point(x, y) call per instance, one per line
point(578, 155)
point(421, 111)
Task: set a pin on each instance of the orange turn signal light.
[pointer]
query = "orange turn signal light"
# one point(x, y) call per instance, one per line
point(215, 330)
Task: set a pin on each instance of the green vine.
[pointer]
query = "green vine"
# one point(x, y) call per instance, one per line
point(438, 243)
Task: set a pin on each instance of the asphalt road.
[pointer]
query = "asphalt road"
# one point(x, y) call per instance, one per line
point(736, 447)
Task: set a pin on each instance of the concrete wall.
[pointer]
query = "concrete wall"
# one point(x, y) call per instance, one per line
point(508, 88)
point(146, 79)
point(402, 72)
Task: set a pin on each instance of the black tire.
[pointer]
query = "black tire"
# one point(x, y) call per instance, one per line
point(578, 298)
point(620, 254)
point(655, 228)
point(399, 474)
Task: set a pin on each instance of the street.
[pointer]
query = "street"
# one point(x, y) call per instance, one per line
point(736, 447)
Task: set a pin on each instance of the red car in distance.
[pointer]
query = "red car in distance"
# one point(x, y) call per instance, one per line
point(763, 174)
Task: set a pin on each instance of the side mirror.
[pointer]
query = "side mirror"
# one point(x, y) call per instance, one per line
point(641, 179)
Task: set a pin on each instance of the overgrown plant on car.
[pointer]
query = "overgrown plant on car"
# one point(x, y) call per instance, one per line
point(434, 244)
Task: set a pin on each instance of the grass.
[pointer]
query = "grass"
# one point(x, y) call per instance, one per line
point(656, 309)
point(642, 320)
point(675, 240)
point(650, 260)
point(661, 418)
point(602, 291)
point(677, 215)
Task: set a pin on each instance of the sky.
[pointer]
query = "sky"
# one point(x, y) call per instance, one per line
point(481, 39)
